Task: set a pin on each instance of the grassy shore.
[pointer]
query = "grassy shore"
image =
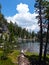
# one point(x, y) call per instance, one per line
point(11, 60)
point(13, 57)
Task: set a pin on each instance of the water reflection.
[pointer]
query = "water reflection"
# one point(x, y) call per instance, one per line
point(29, 46)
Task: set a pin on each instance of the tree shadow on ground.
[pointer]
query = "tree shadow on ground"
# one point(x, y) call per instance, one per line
point(34, 60)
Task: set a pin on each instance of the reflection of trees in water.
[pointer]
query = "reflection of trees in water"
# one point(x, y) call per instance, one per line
point(29, 46)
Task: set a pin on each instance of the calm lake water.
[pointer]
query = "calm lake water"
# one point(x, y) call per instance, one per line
point(32, 47)
point(29, 46)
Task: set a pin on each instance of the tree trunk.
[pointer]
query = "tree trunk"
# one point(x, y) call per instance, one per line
point(45, 50)
point(41, 37)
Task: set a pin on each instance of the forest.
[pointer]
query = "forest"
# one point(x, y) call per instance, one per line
point(10, 33)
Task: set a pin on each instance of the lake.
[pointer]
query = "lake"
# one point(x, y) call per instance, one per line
point(29, 46)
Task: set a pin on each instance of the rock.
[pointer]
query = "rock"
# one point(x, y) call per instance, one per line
point(22, 60)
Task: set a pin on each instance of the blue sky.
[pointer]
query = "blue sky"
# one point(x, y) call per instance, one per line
point(9, 6)
point(22, 12)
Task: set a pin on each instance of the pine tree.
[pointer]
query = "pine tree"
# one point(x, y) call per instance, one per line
point(38, 6)
point(46, 11)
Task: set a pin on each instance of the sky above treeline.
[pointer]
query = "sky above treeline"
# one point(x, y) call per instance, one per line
point(22, 12)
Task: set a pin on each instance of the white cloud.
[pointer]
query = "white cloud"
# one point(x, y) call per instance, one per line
point(22, 8)
point(24, 18)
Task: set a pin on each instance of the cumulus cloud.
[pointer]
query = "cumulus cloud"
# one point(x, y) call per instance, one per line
point(24, 18)
point(22, 8)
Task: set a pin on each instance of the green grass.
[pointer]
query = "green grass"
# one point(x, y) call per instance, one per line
point(13, 57)
point(6, 62)
point(1, 53)
point(31, 53)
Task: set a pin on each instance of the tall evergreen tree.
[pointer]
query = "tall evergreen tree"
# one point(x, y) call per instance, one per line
point(46, 11)
point(39, 7)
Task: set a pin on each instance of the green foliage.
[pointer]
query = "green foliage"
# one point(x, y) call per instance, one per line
point(33, 34)
point(1, 53)
point(6, 62)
